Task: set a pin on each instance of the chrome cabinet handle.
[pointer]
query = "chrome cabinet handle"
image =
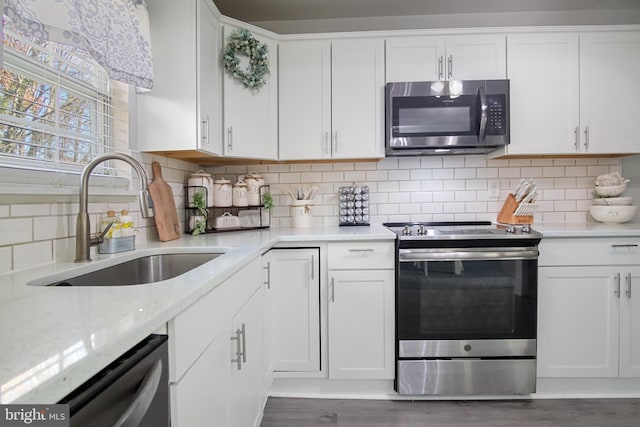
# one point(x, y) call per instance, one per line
point(244, 344)
point(625, 245)
point(238, 341)
point(205, 131)
point(313, 274)
point(146, 392)
point(628, 291)
point(268, 268)
point(326, 142)
point(333, 290)
point(335, 141)
point(586, 138)
point(361, 250)
point(577, 141)
point(617, 290)
point(450, 67)
point(230, 138)
point(440, 62)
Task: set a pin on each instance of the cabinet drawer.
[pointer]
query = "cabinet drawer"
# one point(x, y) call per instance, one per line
point(357, 255)
point(191, 332)
point(589, 251)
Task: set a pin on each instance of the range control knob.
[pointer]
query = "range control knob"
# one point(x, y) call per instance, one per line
point(421, 231)
point(406, 231)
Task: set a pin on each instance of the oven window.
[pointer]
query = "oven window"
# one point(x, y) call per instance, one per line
point(435, 116)
point(479, 299)
point(434, 120)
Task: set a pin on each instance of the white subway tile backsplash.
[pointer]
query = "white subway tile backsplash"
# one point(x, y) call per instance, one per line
point(32, 254)
point(16, 230)
point(401, 189)
point(6, 259)
point(51, 227)
point(30, 210)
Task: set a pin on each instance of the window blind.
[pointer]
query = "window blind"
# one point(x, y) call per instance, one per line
point(58, 108)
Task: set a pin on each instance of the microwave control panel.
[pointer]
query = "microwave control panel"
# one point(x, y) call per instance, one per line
point(496, 115)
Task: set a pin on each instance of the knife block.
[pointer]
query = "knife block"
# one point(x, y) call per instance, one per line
point(507, 216)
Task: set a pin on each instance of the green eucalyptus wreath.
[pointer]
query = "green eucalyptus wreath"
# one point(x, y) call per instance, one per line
point(242, 42)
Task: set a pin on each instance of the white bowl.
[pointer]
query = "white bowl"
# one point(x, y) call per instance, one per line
point(611, 191)
point(613, 213)
point(613, 201)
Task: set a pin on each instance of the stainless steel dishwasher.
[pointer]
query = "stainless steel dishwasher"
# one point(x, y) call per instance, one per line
point(131, 391)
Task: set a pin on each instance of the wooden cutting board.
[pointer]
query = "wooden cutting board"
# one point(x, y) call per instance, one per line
point(164, 206)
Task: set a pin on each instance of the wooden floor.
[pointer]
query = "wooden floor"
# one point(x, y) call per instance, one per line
point(282, 412)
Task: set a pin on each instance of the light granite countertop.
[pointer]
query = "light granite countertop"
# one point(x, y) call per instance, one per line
point(55, 338)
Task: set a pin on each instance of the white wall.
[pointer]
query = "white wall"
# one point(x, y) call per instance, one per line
point(435, 188)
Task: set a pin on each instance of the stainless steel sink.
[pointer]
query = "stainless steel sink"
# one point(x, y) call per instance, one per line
point(146, 269)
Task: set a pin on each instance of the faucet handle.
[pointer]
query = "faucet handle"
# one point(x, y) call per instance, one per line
point(99, 238)
point(146, 204)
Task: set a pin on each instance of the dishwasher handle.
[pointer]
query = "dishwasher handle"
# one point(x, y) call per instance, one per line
point(470, 254)
point(144, 396)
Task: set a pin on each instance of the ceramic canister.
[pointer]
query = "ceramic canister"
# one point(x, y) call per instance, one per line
point(240, 194)
point(254, 182)
point(222, 196)
point(200, 179)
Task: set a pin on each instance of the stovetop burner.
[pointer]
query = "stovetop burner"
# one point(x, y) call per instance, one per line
point(462, 230)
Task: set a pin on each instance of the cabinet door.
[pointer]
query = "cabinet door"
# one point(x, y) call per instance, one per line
point(630, 323)
point(166, 115)
point(250, 116)
point(609, 113)
point(415, 59)
point(361, 324)
point(578, 318)
point(201, 397)
point(209, 94)
point(543, 75)
point(476, 57)
point(304, 100)
point(247, 391)
point(357, 98)
point(295, 285)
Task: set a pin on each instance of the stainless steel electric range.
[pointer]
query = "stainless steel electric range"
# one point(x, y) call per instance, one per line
point(466, 308)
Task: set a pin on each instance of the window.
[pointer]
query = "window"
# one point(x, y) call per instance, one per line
point(58, 108)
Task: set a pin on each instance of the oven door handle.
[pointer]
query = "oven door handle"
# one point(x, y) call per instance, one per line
point(470, 254)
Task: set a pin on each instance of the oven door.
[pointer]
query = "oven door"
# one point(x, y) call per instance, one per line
point(466, 294)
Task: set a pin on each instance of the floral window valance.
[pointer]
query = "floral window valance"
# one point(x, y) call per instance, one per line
point(114, 32)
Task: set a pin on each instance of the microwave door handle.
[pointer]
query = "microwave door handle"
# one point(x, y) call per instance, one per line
point(483, 114)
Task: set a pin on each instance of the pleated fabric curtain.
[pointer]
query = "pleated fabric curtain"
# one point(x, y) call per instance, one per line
point(114, 32)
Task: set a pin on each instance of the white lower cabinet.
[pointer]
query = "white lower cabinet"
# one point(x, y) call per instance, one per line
point(294, 283)
point(361, 310)
point(589, 314)
point(200, 398)
point(247, 391)
point(216, 369)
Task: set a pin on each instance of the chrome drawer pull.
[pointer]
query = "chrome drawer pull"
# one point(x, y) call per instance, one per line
point(628, 292)
point(361, 250)
point(617, 290)
point(625, 245)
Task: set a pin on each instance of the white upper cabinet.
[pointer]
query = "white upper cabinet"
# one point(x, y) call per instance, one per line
point(305, 100)
point(251, 116)
point(357, 98)
point(331, 99)
point(463, 57)
point(609, 89)
point(559, 102)
point(543, 77)
point(183, 110)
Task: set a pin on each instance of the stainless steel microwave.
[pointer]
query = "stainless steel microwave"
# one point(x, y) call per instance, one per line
point(446, 117)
